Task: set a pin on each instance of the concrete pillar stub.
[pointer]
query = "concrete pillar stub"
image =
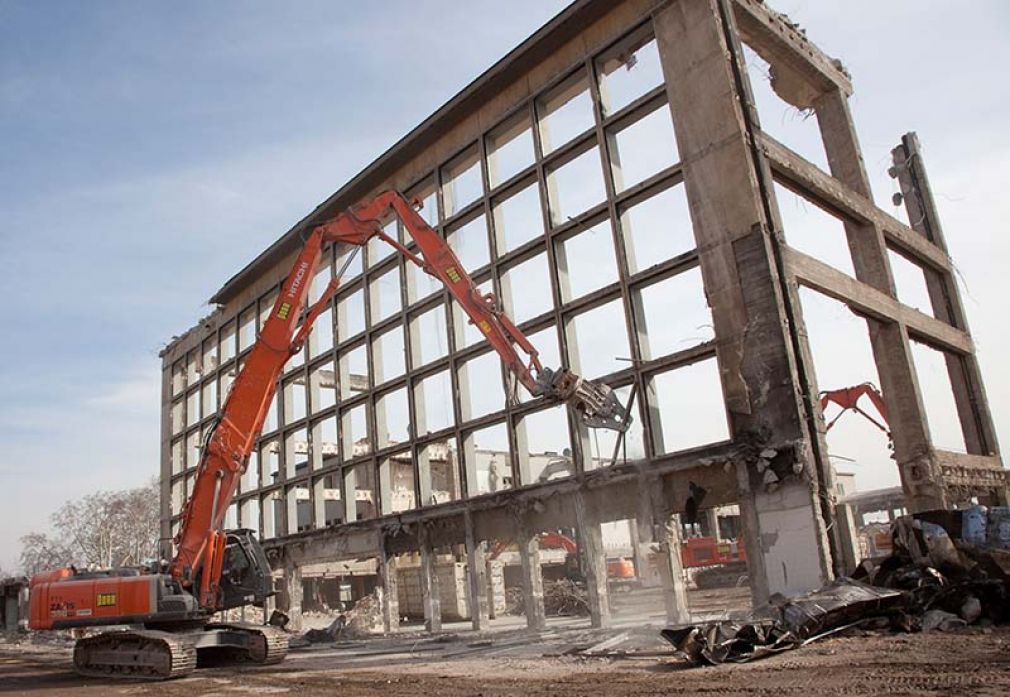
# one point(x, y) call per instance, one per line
point(294, 591)
point(430, 596)
point(390, 591)
point(594, 561)
point(477, 579)
point(671, 572)
point(532, 579)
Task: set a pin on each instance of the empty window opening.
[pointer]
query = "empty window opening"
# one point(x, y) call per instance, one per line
point(378, 250)
point(356, 441)
point(488, 460)
point(545, 447)
point(469, 242)
point(388, 358)
point(360, 479)
point(351, 315)
point(247, 329)
point(461, 183)
point(657, 229)
point(351, 256)
point(323, 387)
point(296, 453)
point(481, 390)
point(575, 186)
point(321, 279)
point(270, 422)
point(586, 261)
point(299, 509)
point(384, 295)
point(565, 113)
point(509, 150)
point(353, 372)
point(321, 337)
point(646, 147)
point(294, 401)
point(813, 231)
point(598, 341)
point(397, 473)
point(209, 398)
point(628, 72)
point(439, 463)
point(687, 407)
point(843, 357)
point(429, 336)
point(526, 289)
point(910, 282)
point(424, 193)
point(251, 479)
point(227, 342)
point(193, 407)
point(433, 401)
point(661, 331)
point(938, 398)
point(785, 123)
point(270, 457)
point(518, 219)
point(325, 440)
point(392, 418)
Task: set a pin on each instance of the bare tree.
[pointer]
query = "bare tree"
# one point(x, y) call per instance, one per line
point(105, 529)
point(40, 553)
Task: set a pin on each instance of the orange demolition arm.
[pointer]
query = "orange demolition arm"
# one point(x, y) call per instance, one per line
point(200, 541)
point(847, 398)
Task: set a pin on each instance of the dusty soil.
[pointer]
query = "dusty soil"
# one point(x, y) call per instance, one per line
point(975, 662)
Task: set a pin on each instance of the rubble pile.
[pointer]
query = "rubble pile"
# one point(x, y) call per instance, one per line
point(562, 598)
point(947, 570)
point(359, 622)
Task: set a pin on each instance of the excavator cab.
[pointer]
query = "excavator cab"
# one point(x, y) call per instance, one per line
point(245, 575)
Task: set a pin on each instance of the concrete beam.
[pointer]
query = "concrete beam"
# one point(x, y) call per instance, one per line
point(800, 70)
point(809, 180)
point(871, 302)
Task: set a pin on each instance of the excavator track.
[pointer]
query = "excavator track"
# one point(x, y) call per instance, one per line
point(135, 654)
point(267, 645)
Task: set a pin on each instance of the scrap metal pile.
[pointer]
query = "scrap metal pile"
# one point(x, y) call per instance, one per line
point(948, 569)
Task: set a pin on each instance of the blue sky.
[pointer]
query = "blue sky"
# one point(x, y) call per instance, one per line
point(151, 150)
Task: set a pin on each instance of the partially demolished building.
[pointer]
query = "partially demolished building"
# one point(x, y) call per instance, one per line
point(610, 180)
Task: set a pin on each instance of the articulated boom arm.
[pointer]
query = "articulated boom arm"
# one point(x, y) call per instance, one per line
point(848, 399)
point(226, 451)
point(596, 404)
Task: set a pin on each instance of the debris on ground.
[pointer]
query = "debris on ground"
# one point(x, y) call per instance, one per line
point(562, 598)
point(361, 621)
point(943, 574)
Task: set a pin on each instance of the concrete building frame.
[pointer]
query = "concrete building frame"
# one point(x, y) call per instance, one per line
point(350, 412)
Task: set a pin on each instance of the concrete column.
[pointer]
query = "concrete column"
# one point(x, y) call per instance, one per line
point(845, 519)
point(476, 572)
point(532, 579)
point(594, 561)
point(294, 591)
point(390, 591)
point(763, 377)
point(671, 571)
point(430, 596)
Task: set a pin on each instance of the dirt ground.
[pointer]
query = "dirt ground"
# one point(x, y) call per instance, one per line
point(975, 662)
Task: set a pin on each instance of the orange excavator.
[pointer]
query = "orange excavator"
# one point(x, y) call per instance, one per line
point(170, 606)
